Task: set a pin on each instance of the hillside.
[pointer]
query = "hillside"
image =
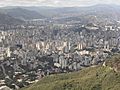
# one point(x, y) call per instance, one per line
point(6, 19)
point(101, 11)
point(93, 78)
point(21, 13)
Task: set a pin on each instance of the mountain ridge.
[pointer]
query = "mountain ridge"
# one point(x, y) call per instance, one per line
point(53, 11)
point(6, 19)
point(21, 13)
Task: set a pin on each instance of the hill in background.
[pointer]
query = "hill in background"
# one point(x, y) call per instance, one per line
point(21, 13)
point(93, 14)
point(6, 19)
point(24, 14)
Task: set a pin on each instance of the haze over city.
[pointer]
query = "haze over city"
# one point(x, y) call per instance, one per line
point(59, 44)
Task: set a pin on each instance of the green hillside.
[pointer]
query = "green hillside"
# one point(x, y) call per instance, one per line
point(93, 78)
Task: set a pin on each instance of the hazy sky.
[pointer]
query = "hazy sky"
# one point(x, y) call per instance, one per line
point(67, 3)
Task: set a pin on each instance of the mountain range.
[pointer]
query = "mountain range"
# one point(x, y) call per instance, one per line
point(85, 14)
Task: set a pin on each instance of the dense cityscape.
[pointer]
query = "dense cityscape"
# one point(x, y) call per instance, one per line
point(37, 48)
point(29, 52)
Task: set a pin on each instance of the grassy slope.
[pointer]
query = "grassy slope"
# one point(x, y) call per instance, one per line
point(93, 78)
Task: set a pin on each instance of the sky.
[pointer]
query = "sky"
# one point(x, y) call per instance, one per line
point(56, 3)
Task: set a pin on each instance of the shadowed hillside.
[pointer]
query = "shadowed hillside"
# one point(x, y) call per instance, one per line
point(6, 19)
